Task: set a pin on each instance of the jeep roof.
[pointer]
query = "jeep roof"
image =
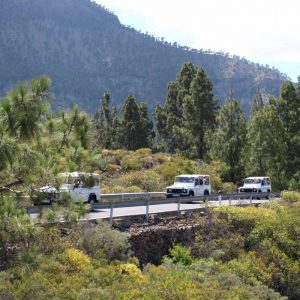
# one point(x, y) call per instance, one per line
point(192, 175)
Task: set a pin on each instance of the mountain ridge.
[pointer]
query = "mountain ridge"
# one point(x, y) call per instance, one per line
point(85, 50)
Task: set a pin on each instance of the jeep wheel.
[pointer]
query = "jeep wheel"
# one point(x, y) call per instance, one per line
point(258, 198)
point(191, 194)
point(92, 199)
point(206, 193)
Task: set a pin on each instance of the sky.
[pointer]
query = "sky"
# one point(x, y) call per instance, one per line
point(262, 31)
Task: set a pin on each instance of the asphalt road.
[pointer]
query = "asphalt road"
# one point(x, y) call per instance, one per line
point(105, 213)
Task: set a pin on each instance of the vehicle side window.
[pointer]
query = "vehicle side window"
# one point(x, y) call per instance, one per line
point(196, 181)
point(206, 182)
point(200, 181)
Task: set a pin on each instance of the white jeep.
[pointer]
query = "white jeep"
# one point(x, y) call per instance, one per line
point(189, 185)
point(79, 185)
point(259, 184)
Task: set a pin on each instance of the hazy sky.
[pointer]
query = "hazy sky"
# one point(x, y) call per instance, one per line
point(262, 31)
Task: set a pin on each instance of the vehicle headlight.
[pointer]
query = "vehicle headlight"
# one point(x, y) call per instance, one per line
point(184, 190)
point(241, 190)
point(169, 190)
point(254, 190)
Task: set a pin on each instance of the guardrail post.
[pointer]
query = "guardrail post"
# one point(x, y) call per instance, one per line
point(147, 209)
point(206, 202)
point(229, 201)
point(251, 199)
point(111, 215)
point(178, 207)
point(220, 199)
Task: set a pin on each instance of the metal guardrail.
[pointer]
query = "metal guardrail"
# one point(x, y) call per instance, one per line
point(147, 201)
point(149, 195)
point(155, 198)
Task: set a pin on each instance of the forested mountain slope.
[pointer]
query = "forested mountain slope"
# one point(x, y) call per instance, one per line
point(85, 50)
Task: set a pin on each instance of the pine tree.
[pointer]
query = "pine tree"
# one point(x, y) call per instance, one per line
point(148, 134)
point(288, 110)
point(177, 120)
point(104, 123)
point(168, 117)
point(199, 110)
point(136, 126)
point(228, 140)
point(24, 107)
point(266, 151)
point(257, 103)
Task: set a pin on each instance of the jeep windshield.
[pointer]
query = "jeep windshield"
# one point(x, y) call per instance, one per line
point(185, 179)
point(252, 181)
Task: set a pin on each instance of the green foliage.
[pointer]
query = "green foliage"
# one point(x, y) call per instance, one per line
point(103, 242)
point(8, 150)
point(257, 103)
point(106, 125)
point(188, 112)
point(64, 210)
point(148, 180)
point(291, 196)
point(15, 229)
point(136, 126)
point(228, 140)
point(266, 146)
point(175, 166)
point(181, 255)
point(131, 163)
point(287, 110)
point(75, 260)
point(228, 188)
point(24, 107)
point(199, 109)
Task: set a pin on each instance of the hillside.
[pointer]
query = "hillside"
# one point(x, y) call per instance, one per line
point(85, 50)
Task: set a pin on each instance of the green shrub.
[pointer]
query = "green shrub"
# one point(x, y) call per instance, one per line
point(111, 168)
point(51, 240)
point(181, 255)
point(102, 241)
point(131, 162)
point(162, 157)
point(176, 166)
point(228, 188)
point(143, 152)
point(291, 196)
point(116, 189)
point(75, 259)
point(148, 181)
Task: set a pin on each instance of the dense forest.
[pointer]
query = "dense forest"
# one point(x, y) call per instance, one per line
point(85, 50)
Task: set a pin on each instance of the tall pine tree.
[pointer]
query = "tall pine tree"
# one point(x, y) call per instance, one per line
point(288, 110)
point(187, 114)
point(266, 151)
point(229, 139)
point(199, 110)
point(257, 102)
point(136, 126)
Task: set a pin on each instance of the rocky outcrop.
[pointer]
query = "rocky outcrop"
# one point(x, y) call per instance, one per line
point(150, 243)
